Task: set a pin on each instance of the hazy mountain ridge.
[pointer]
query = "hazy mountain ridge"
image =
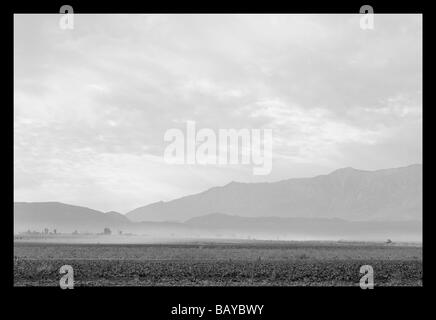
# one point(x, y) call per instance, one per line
point(306, 228)
point(64, 217)
point(350, 194)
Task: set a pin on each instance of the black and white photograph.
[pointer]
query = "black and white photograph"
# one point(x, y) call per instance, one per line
point(217, 150)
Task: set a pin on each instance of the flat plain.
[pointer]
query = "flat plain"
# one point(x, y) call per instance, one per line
point(225, 263)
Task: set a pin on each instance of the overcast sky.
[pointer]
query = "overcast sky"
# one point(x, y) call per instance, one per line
point(92, 104)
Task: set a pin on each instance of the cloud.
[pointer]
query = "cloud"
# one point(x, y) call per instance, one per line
point(91, 105)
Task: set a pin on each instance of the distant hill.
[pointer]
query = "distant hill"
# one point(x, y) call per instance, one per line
point(64, 217)
point(349, 194)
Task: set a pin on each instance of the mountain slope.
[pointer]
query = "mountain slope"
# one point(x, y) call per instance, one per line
point(389, 194)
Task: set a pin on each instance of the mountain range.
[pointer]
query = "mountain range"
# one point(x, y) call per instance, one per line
point(389, 194)
point(347, 203)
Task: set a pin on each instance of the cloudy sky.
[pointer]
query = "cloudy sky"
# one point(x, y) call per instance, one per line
point(92, 104)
